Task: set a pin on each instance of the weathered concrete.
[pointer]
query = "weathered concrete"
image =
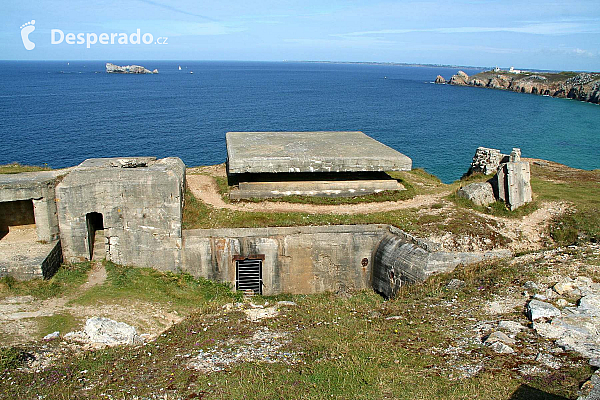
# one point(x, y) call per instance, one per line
point(313, 188)
point(281, 152)
point(308, 259)
point(513, 181)
point(37, 187)
point(29, 259)
point(141, 202)
point(486, 161)
point(402, 259)
point(480, 193)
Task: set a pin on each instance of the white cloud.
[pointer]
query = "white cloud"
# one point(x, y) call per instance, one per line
point(538, 28)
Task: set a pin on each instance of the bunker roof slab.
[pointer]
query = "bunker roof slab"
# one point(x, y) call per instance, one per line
point(285, 152)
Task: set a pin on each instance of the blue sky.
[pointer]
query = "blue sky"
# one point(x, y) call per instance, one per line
point(560, 35)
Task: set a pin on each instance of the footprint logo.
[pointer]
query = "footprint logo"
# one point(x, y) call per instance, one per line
point(26, 29)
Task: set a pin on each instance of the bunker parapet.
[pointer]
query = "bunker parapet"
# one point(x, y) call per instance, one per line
point(331, 164)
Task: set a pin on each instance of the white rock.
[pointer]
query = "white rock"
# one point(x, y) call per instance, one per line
point(531, 285)
point(498, 336)
point(538, 309)
point(510, 326)
point(564, 287)
point(501, 348)
point(106, 331)
point(52, 336)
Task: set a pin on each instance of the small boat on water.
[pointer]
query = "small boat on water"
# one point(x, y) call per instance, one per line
point(191, 72)
point(180, 67)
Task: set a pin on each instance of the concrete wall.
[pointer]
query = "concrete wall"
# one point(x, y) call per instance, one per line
point(41, 260)
point(141, 202)
point(39, 187)
point(19, 212)
point(401, 259)
point(309, 259)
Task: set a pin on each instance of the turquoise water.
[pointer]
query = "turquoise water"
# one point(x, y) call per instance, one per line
point(61, 114)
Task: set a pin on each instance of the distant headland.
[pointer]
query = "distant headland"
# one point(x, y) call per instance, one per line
point(128, 69)
point(583, 86)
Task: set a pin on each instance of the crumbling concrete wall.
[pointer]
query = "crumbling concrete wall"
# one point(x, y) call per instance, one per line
point(486, 161)
point(402, 259)
point(513, 181)
point(39, 187)
point(308, 259)
point(141, 202)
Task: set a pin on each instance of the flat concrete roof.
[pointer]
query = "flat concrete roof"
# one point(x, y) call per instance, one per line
point(275, 152)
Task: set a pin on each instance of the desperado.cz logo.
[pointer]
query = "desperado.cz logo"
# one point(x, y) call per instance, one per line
point(57, 36)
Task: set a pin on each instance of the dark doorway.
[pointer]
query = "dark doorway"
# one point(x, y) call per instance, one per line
point(15, 213)
point(95, 230)
point(248, 275)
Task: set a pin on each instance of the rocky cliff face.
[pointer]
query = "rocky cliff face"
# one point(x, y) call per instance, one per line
point(584, 86)
point(128, 69)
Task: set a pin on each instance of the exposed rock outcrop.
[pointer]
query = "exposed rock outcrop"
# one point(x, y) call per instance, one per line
point(511, 184)
point(128, 69)
point(480, 193)
point(486, 161)
point(584, 86)
point(460, 79)
point(440, 79)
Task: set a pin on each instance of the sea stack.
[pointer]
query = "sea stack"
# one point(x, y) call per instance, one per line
point(128, 69)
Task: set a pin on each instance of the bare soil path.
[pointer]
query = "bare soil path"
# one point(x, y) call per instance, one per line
point(526, 233)
point(20, 315)
point(204, 188)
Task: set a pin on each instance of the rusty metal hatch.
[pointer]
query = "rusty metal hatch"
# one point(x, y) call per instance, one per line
point(248, 275)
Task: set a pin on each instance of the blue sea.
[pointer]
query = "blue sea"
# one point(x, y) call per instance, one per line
point(60, 113)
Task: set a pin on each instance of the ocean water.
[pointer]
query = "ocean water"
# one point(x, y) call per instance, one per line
point(61, 114)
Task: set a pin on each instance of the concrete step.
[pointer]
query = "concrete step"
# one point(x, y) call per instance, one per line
point(314, 188)
point(99, 246)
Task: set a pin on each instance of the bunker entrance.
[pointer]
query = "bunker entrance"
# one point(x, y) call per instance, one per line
point(248, 275)
point(95, 237)
point(15, 213)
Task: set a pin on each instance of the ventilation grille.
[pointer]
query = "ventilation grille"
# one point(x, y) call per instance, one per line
point(248, 276)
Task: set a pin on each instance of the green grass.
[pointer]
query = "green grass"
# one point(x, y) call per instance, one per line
point(181, 291)
point(346, 348)
point(582, 190)
point(16, 168)
point(62, 322)
point(66, 280)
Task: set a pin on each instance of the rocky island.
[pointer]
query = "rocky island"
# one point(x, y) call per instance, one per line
point(128, 69)
point(579, 86)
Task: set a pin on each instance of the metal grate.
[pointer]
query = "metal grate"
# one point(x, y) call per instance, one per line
point(248, 275)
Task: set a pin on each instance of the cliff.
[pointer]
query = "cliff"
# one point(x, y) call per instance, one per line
point(583, 86)
point(128, 69)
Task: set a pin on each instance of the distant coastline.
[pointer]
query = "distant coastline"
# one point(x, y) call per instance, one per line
point(584, 86)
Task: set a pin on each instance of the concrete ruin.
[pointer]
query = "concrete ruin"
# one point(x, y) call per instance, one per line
point(130, 208)
point(328, 164)
point(511, 183)
point(129, 211)
point(29, 228)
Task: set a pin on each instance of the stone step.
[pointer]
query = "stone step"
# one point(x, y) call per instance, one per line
point(99, 246)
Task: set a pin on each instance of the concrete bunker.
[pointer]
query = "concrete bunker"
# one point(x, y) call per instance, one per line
point(127, 210)
point(327, 164)
point(15, 213)
point(29, 231)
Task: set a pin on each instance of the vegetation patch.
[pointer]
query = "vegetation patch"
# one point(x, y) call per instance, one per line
point(66, 280)
point(181, 291)
point(16, 168)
